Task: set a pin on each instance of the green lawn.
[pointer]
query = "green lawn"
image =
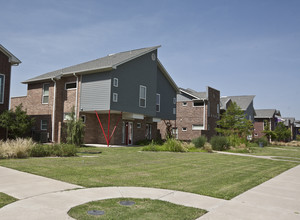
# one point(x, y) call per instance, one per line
point(145, 209)
point(211, 174)
point(6, 199)
point(277, 151)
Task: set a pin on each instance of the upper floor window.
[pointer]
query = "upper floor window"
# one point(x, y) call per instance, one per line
point(142, 101)
point(174, 100)
point(2, 80)
point(158, 102)
point(116, 82)
point(45, 99)
point(184, 104)
point(70, 85)
point(174, 111)
point(198, 103)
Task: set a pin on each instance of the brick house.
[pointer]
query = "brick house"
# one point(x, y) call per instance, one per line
point(196, 114)
point(262, 117)
point(7, 60)
point(130, 91)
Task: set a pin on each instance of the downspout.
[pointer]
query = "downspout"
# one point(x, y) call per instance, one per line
point(76, 99)
point(53, 113)
point(204, 115)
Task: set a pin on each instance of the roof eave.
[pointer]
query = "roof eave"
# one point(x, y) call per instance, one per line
point(12, 58)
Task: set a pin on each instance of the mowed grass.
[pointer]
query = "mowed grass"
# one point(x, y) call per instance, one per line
point(145, 209)
point(278, 151)
point(6, 199)
point(211, 174)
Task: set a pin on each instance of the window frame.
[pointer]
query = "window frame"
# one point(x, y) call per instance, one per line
point(157, 104)
point(2, 88)
point(74, 82)
point(43, 129)
point(115, 97)
point(174, 111)
point(184, 129)
point(184, 104)
point(83, 118)
point(115, 82)
point(199, 127)
point(142, 98)
point(43, 93)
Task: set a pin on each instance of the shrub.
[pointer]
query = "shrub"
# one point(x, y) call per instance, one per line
point(199, 141)
point(19, 148)
point(63, 150)
point(174, 145)
point(40, 150)
point(219, 143)
point(262, 140)
point(207, 147)
point(298, 137)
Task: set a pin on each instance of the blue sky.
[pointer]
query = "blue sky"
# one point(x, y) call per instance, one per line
point(240, 47)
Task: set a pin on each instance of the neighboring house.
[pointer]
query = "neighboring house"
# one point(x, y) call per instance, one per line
point(297, 125)
point(131, 91)
point(7, 59)
point(245, 102)
point(264, 117)
point(197, 113)
point(290, 123)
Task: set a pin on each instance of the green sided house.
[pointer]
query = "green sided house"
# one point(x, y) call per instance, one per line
point(120, 98)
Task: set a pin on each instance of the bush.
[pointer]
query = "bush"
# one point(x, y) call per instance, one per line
point(207, 147)
point(63, 150)
point(219, 143)
point(40, 150)
point(262, 140)
point(174, 145)
point(199, 141)
point(19, 148)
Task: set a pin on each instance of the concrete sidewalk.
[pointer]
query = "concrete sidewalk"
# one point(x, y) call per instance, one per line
point(278, 198)
point(22, 185)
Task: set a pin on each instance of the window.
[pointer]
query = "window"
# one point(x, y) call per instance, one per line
point(174, 101)
point(142, 101)
point(198, 103)
point(184, 129)
point(67, 116)
point(44, 125)
point(197, 127)
point(45, 93)
point(174, 111)
point(175, 133)
point(218, 109)
point(138, 125)
point(158, 102)
point(115, 97)
point(116, 82)
point(184, 104)
point(2, 80)
point(70, 85)
point(148, 134)
point(208, 109)
point(83, 118)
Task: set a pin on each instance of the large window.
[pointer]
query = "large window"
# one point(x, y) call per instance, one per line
point(142, 101)
point(2, 80)
point(70, 85)
point(45, 99)
point(158, 102)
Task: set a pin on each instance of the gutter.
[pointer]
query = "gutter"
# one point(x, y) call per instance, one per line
point(53, 113)
point(76, 99)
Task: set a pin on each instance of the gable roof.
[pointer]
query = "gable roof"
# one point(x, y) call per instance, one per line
point(108, 62)
point(12, 58)
point(242, 101)
point(194, 94)
point(266, 113)
point(223, 102)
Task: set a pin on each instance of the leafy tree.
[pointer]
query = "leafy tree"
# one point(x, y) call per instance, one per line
point(281, 132)
point(268, 132)
point(17, 122)
point(234, 124)
point(75, 130)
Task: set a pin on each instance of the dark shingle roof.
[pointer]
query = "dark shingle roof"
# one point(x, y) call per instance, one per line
point(195, 94)
point(242, 101)
point(109, 62)
point(265, 113)
point(223, 102)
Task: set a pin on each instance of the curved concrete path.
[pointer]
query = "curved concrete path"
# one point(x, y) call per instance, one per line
point(278, 198)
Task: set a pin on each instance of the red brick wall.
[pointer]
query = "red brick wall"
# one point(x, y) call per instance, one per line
point(5, 69)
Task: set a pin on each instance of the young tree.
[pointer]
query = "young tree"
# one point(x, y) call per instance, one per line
point(282, 133)
point(268, 132)
point(75, 130)
point(17, 122)
point(234, 124)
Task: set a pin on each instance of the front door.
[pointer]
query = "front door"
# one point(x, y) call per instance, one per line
point(127, 133)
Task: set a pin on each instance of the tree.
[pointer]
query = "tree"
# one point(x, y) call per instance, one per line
point(268, 132)
point(281, 132)
point(17, 122)
point(75, 130)
point(234, 124)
